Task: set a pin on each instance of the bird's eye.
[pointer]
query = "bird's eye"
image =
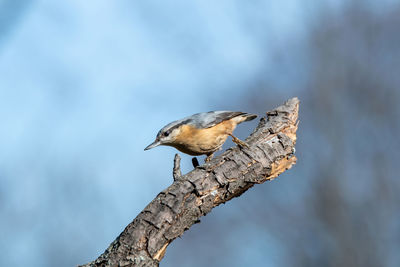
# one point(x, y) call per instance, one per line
point(166, 134)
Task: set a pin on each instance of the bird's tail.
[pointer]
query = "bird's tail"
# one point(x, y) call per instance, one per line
point(244, 117)
point(249, 117)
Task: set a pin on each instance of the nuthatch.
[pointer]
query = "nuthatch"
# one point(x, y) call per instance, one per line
point(201, 133)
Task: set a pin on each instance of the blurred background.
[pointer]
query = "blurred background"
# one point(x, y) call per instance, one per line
point(86, 85)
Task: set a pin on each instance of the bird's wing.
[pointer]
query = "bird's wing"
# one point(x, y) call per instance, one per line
point(209, 119)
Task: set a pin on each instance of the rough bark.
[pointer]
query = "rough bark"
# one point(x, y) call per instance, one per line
point(174, 210)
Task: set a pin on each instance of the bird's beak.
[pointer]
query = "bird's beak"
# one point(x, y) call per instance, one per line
point(152, 145)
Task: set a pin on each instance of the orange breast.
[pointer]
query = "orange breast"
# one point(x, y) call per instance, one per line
point(195, 141)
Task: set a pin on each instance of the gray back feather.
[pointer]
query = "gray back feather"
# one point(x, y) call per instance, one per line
point(203, 120)
point(212, 118)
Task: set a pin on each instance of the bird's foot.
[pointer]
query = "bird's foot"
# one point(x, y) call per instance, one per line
point(195, 162)
point(239, 142)
point(209, 157)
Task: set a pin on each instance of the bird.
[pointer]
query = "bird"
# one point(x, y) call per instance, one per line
point(202, 133)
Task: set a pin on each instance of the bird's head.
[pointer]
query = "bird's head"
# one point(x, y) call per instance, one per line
point(167, 135)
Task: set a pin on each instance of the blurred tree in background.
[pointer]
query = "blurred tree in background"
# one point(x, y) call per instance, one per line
point(348, 147)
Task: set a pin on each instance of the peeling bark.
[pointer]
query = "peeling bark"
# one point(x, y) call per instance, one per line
point(174, 210)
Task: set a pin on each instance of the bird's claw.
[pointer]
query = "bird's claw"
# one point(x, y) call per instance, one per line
point(239, 142)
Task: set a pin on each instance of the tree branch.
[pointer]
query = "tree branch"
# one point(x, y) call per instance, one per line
point(174, 210)
point(176, 172)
